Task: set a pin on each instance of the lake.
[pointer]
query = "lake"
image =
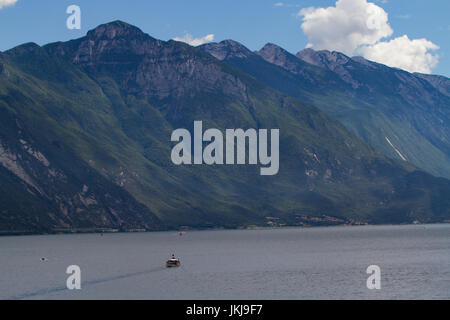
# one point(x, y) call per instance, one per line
point(288, 263)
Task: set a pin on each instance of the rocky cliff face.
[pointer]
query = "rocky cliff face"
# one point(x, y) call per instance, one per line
point(162, 71)
point(333, 61)
point(227, 49)
point(280, 57)
point(42, 195)
point(442, 84)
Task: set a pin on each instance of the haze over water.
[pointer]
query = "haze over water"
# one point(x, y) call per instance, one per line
point(291, 263)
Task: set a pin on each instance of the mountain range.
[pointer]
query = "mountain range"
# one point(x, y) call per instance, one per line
point(86, 126)
point(404, 116)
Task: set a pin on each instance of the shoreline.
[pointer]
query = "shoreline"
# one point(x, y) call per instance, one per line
point(91, 231)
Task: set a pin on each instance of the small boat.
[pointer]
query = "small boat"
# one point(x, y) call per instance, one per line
point(173, 262)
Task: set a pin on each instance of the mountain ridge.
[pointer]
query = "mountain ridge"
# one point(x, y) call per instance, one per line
point(102, 108)
point(377, 103)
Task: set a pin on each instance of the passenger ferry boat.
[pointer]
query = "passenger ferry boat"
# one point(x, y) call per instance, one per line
point(173, 262)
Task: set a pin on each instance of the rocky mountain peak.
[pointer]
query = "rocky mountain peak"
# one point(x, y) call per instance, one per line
point(226, 49)
point(116, 30)
point(116, 42)
point(274, 54)
point(334, 61)
point(282, 58)
point(323, 58)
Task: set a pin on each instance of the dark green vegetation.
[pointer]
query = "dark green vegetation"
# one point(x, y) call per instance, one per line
point(377, 103)
point(85, 143)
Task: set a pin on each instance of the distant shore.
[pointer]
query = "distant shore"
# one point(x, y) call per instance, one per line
point(6, 233)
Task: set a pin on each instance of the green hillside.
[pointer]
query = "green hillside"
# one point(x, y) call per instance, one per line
point(85, 143)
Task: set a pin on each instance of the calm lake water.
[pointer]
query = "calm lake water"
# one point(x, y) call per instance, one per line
point(297, 263)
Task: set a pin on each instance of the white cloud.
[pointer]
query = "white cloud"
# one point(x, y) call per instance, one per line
point(287, 5)
point(403, 53)
point(6, 3)
point(345, 27)
point(360, 27)
point(189, 39)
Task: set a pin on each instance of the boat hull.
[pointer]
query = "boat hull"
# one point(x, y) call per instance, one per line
point(173, 264)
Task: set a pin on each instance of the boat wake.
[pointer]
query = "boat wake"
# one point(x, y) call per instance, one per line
point(49, 291)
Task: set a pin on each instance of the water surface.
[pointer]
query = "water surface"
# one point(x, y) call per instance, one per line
point(291, 263)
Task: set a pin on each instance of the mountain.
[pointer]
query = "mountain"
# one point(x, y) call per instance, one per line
point(405, 116)
point(46, 185)
point(85, 145)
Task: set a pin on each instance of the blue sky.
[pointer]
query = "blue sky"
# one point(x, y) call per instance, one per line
point(254, 23)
